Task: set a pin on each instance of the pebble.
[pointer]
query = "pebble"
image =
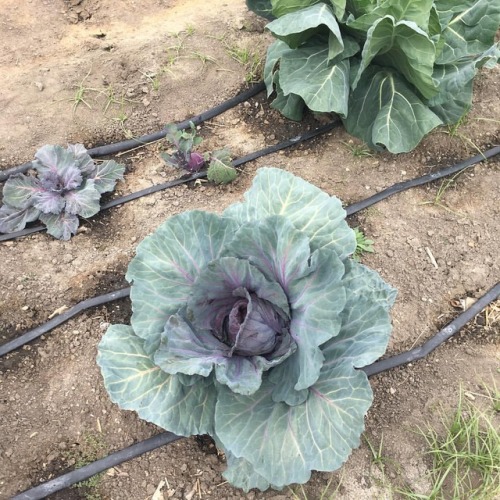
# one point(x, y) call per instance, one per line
point(389, 253)
point(39, 86)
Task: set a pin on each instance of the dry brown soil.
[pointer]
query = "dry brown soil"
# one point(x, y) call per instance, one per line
point(97, 71)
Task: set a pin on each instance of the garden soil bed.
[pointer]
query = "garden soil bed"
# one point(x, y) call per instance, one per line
point(97, 71)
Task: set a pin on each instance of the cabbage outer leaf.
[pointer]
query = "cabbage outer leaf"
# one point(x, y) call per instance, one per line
point(404, 46)
point(19, 190)
point(383, 110)
point(82, 159)
point(417, 11)
point(297, 27)
point(83, 201)
point(167, 264)
point(60, 226)
point(316, 301)
point(135, 383)
point(54, 159)
point(366, 323)
point(283, 7)
point(312, 211)
point(261, 8)
point(326, 88)
point(274, 53)
point(278, 250)
point(106, 174)
point(469, 27)
point(15, 219)
point(284, 443)
point(241, 473)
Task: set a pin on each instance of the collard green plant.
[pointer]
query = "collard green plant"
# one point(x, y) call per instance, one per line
point(391, 69)
point(220, 170)
point(251, 327)
point(67, 183)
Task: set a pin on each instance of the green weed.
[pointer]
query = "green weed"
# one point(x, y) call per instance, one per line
point(153, 80)
point(357, 150)
point(92, 448)
point(465, 456)
point(252, 61)
point(80, 93)
point(363, 244)
point(324, 495)
point(443, 188)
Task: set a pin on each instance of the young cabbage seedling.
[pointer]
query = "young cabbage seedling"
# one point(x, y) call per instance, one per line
point(67, 183)
point(183, 157)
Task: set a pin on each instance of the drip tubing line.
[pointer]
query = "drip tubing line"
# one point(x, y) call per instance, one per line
point(75, 476)
point(448, 331)
point(62, 318)
point(118, 147)
point(402, 186)
point(188, 178)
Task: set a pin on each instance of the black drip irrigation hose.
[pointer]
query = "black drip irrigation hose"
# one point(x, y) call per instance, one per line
point(62, 318)
point(402, 186)
point(118, 147)
point(442, 336)
point(185, 179)
point(75, 476)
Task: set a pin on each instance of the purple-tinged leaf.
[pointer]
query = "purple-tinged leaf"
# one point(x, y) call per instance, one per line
point(19, 190)
point(106, 174)
point(71, 177)
point(221, 283)
point(82, 160)
point(185, 350)
point(279, 250)
point(167, 264)
point(196, 162)
point(316, 301)
point(49, 202)
point(15, 219)
point(84, 201)
point(53, 159)
point(61, 226)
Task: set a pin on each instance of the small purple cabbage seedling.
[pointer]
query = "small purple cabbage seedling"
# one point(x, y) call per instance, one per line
point(184, 141)
point(220, 169)
point(67, 183)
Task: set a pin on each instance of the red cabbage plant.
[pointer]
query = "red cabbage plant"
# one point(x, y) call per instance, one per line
point(250, 326)
point(67, 183)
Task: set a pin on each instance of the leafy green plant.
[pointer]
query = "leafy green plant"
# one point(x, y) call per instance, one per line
point(67, 183)
point(392, 70)
point(250, 327)
point(220, 169)
point(363, 244)
point(92, 449)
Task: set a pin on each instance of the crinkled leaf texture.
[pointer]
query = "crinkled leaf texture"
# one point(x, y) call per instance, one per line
point(431, 49)
point(250, 327)
point(68, 183)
